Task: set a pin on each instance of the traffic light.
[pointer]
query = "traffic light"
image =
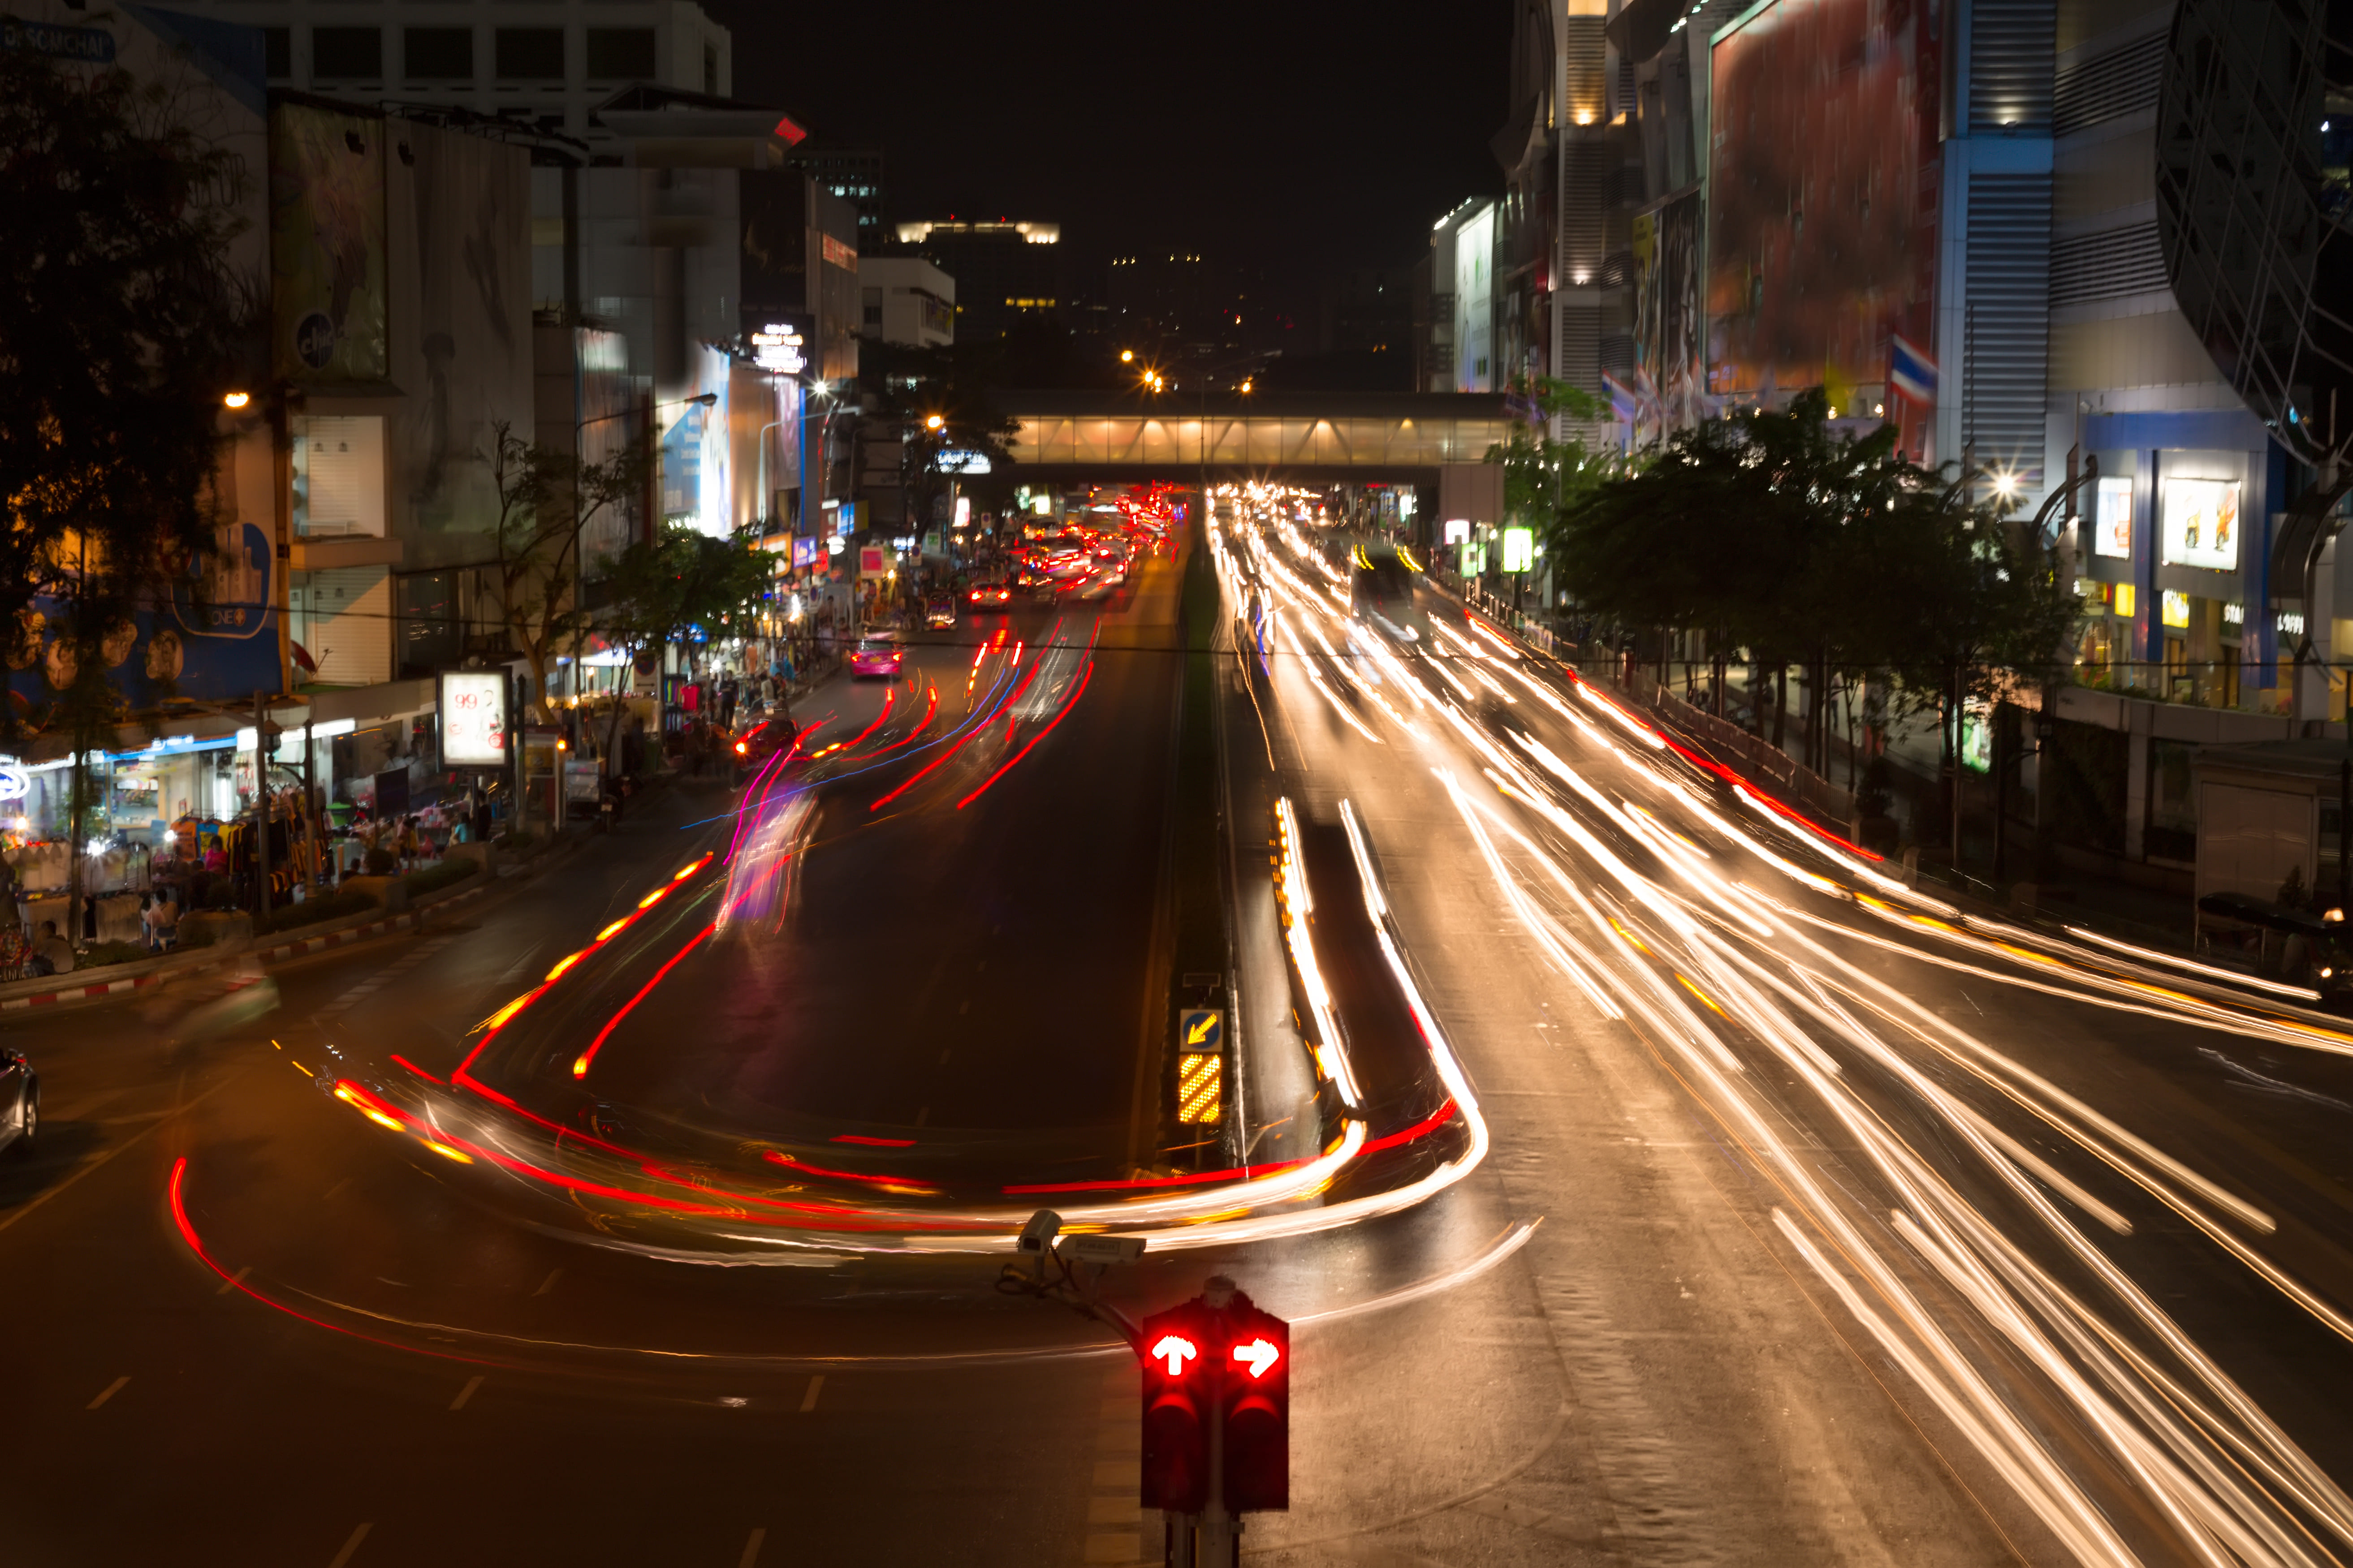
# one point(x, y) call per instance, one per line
point(1255, 1402)
point(1179, 1402)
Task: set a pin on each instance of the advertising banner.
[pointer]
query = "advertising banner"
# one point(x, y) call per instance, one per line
point(473, 718)
point(2199, 523)
point(1824, 174)
point(215, 638)
point(327, 244)
point(1670, 341)
point(2112, 520)
point(1475, 313)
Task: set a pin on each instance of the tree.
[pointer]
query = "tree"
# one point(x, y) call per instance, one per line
point(657, 593)
point(546, 500)
point(1543, 477)
point(1777, 533)
point(121, 326)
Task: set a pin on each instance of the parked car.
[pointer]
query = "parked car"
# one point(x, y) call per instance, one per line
point(20, 1101)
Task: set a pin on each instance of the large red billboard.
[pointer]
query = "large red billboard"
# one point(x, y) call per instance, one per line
point(1822, 200)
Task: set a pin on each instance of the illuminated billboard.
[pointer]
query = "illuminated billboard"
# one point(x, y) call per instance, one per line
point(2112, 520)
point(1669, 343)
point(2200, 523)
point(1474, 301)
point(473, 718)
point(1823, 182)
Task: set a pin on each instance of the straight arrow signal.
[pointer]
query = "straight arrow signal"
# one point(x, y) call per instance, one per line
point(1177, 1352)
point(1202, 1030)
point(1257, 1355)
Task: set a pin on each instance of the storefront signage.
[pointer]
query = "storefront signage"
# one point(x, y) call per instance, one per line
point(1519, 549)
point(16, 783)
point(2202, 523)
point(2112, 520)
point(2173, 609)
point(780, 349)
point(91, 46)
point(805, 552)
point(473, 718)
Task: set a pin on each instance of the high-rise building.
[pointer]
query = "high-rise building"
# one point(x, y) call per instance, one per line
point(1003, 269)
point(546, 67)
point(855, 174)
point(906, 301)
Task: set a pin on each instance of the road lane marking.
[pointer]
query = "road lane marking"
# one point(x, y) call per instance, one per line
point(109, 1392)
point(351, 1546)
point(923, 1116)
point(102, 1156)
point(337, 1187)
point(549, 1283)
point(808, 1400)
point(234, 1280)
point(466, 1392)
point(752, 1549)
point(88, 1105)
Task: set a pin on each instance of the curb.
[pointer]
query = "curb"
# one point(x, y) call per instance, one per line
point(96, 990)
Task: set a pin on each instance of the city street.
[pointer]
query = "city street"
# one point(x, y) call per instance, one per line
point(1677, 1308)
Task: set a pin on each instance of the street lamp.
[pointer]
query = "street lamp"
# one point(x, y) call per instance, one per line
point(236, 399)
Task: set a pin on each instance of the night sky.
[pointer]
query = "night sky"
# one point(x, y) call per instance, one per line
point(1287, 138)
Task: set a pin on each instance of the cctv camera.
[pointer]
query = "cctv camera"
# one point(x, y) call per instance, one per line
point(1039, 1235)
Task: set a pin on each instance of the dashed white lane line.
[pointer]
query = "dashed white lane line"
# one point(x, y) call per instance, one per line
point(109, 1392)
point(751, 1550)
point(808, 1400)
point(1114, 1511)
point(103, 1155)
point(549, 1283)
point(234, 1280)
point(350, 1546)
point(465, 1394)
point(365, 988)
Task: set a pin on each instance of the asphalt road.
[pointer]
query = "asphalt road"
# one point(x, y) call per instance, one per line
point(705, 1299)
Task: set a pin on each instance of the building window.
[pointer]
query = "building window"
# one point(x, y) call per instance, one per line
point(277, 52)
point(338, 476)
point(438, 54)
point(355, 54)
point(711, 70)
point(620, 54)
point(530, 54)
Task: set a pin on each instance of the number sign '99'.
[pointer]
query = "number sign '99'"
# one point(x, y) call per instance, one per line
point(473, 718)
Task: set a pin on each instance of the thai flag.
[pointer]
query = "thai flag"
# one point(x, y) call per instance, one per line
point(1912, 372)
point(1623, 403)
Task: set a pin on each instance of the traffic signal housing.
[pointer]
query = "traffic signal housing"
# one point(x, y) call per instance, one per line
point(1254, 1401)
point(1180, 1386)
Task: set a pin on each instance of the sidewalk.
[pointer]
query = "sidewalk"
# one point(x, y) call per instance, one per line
point(115, 980)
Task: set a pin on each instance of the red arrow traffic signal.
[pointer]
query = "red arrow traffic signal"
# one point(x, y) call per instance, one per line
point(1255, 1404)
point(1179, 1401)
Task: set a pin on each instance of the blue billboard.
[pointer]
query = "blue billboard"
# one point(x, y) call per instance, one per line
point(215, 639)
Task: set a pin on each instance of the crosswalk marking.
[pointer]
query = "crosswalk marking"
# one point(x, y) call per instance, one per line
point(1114, 1508)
